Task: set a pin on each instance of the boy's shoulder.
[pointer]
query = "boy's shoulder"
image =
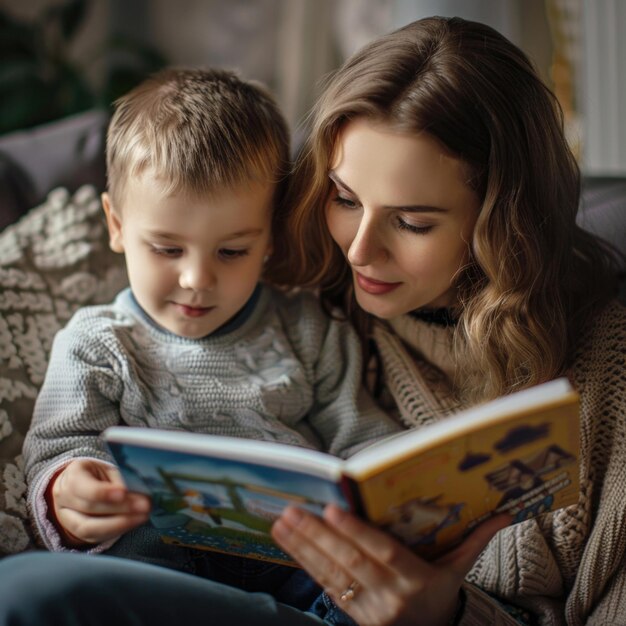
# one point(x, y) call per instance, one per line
point(99, 317)
point(301, 312)
point(299, 304)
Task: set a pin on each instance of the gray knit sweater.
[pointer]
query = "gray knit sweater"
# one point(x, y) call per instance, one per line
point(282, 371)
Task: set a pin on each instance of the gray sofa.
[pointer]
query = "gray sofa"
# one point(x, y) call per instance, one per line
point(55, 259)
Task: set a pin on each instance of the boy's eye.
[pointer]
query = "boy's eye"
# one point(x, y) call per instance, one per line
point(167, 251)
point(345, 202)
point(230, 253)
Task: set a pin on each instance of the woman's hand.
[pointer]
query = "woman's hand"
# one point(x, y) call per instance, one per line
point(90, 503)
point(393, 585)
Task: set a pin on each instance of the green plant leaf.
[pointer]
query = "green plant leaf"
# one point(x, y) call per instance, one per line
point(69, 15)
point(25, 98)
point(71, 91)
point(39, 82)
point(17, 39)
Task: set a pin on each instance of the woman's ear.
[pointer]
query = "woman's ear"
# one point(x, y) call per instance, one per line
point(114, 224)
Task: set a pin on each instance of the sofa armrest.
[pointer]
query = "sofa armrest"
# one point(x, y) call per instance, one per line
point(52, 261)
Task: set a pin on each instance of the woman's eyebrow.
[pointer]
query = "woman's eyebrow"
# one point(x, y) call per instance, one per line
point(411, 208)
point(333, 176)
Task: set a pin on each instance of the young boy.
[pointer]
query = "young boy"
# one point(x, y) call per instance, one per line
point(196, 163)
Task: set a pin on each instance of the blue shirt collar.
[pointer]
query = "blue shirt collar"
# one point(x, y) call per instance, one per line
point(231, 325)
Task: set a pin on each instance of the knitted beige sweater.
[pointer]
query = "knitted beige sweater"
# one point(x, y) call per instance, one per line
point(568, 567)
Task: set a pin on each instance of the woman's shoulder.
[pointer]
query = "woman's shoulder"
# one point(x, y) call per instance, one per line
point(607, 331)
point(597, 366)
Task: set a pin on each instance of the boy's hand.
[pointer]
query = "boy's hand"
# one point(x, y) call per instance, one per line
point(91, 504)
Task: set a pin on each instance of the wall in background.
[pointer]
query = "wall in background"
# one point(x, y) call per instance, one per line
point(602, 86)
point(292, 44)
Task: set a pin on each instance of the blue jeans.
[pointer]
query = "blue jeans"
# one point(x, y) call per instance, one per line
point(73, 589)
point(288, 585)
point(325, 608)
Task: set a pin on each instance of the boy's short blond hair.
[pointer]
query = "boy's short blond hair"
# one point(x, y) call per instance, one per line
point(198, 131)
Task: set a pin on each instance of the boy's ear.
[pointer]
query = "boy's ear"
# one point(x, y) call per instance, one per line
point(114, 224)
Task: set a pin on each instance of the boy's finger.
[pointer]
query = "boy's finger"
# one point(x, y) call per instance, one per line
point(79, 483)
point(114, 476)
point(98, 529)
point(90, 496)
point(131, 504)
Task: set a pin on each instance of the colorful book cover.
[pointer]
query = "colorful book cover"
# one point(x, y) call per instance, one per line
point(221, 504)
point(525, 467)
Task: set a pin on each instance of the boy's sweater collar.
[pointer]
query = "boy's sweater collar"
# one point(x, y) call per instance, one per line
point(128, 298)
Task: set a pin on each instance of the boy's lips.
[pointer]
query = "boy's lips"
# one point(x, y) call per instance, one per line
point(374, 287)
point(193, 311)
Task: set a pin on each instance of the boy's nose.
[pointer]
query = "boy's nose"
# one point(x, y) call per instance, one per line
point(197, 277)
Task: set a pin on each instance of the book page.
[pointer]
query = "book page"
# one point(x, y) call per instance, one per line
point(216, 503)
point(394, 448)
point(269, 453)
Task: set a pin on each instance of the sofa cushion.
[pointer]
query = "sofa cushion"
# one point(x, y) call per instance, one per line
point(65, 153)
point(53, 261)
point(603, 211)
point(15, 190)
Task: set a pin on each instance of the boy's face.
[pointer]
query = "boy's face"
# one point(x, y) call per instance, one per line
point(193, 262)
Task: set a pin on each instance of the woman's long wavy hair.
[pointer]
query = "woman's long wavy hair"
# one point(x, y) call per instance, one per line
point(534, 278)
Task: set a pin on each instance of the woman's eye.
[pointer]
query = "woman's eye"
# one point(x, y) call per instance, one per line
point(414, 228)
point(345, 202)
point(229, 253)
point(166, 251)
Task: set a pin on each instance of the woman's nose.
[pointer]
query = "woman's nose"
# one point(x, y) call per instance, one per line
point(367, 245)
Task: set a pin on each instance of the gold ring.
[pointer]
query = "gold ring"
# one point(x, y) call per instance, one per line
point(348, 594)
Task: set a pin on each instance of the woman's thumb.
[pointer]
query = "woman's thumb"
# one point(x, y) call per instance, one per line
point(463, 557)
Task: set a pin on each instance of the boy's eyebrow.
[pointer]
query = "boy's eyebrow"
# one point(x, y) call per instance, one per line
point(412, 208)
point(245, 232)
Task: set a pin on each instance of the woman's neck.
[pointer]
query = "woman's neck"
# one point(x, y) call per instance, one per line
point(440, 316)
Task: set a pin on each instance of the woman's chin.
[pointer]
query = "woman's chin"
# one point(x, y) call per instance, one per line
point(374, 305)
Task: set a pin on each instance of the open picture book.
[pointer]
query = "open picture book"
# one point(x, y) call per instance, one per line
point(429, 487)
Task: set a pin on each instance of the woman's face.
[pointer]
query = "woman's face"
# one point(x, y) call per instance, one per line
point(403, 216)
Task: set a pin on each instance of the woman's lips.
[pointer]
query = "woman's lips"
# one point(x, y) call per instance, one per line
point(374, 287)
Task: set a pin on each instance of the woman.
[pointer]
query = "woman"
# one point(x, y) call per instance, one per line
point(435, 205)
point(437, 168)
